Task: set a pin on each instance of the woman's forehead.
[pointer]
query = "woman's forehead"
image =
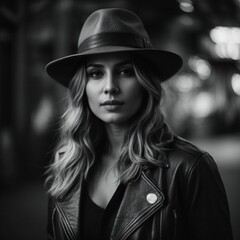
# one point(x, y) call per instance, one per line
point(109, 58)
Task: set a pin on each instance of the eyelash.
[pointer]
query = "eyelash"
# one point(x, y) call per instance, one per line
point(93, 72)
point(129, 72)
point(124, 72)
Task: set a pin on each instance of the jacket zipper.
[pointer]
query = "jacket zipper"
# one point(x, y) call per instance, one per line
point(175, 223)
point(161, 223)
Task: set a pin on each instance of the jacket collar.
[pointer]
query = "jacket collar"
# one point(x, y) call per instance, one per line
point(142, 198)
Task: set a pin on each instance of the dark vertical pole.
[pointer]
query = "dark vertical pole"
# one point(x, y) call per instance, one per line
point(62, 28)
point(8, 168)
point(20, 119)
point(63, 35)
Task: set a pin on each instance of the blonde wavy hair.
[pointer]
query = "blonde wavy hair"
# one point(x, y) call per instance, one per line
point(82, 134)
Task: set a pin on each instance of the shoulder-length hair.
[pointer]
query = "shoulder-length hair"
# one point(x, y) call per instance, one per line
point(82, 134)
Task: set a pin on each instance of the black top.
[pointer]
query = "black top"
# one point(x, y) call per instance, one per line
point(98, 222)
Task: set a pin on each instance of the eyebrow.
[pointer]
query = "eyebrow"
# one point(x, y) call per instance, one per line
point(117, 65)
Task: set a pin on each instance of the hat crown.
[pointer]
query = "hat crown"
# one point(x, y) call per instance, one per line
point(112, 20)
point(113, 30)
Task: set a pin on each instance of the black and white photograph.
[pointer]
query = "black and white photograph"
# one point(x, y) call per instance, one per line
point(120, 120)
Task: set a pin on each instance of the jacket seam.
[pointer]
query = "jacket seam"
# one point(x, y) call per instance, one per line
point(162, 216)
point(191, 169)
point(54, 232)
point(183, 148)
point(66, 226)
point(128, 231)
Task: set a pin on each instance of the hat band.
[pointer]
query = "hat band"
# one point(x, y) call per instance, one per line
point(113, 39)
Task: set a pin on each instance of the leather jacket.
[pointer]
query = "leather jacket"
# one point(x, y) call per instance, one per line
point(183, 199)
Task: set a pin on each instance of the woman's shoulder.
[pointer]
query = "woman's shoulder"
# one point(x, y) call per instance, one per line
point(186, 147)
point(186, 155)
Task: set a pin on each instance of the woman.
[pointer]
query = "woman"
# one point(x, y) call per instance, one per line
point(119, 172)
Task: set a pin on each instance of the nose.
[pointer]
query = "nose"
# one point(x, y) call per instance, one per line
point(111, 86)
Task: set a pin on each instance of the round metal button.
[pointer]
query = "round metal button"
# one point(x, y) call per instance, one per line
point(151, 198)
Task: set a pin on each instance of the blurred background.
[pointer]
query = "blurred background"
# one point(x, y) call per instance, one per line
point(202, 101)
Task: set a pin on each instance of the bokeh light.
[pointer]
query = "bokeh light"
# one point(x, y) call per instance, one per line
point(227, 42)
point(235, 81)
point(203, 105)
point(200, 66)
point(186, 82)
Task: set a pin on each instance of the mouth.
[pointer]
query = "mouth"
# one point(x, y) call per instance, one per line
point(112, 103)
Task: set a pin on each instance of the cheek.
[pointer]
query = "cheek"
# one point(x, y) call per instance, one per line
point(92, 94)
point(91, 100)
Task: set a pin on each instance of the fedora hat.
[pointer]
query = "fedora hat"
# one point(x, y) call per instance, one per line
point(114, 30)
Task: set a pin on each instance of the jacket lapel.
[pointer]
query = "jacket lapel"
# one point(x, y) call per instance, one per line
point(142, 198)
point(69, 209)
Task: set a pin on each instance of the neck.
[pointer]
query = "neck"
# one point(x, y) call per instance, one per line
point(115, 136)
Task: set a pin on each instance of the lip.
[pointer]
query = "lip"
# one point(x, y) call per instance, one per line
point(112, 103)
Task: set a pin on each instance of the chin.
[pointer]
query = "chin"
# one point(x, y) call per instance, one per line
point(114, 120)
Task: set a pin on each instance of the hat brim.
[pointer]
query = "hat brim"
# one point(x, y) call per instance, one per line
point(166, 63)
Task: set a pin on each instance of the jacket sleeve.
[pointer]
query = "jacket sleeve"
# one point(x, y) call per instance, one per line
point(206, 202)
point(50, 234)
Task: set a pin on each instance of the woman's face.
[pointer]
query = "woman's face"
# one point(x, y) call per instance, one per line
point(113, 91)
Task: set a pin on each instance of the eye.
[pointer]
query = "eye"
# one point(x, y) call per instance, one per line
point(94, 74)
point(127, 72)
